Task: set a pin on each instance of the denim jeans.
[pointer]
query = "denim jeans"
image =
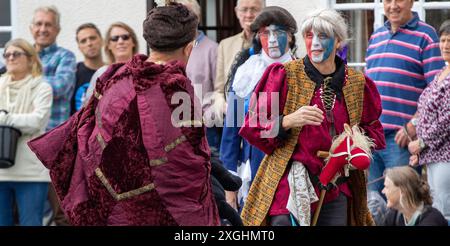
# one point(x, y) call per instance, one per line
point(214, 136)
point(29, 197)
point(391, 156)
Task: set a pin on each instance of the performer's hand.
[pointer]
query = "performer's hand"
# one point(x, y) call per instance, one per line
point(414, 147)
point(231, 197)
point(306, 115)
point(401, 138)
point(414, 160)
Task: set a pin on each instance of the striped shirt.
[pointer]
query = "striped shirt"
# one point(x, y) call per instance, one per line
point(59, 71)
point(402, 64)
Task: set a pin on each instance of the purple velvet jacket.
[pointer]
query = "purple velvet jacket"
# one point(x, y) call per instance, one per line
point(120, 160)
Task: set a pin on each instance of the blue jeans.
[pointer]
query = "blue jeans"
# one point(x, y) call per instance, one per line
point(214, 136)
point(29, 197)
point(391, 156)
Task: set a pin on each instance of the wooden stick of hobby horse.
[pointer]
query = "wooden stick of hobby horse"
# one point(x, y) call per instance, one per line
point(319, 206)
point(321, 154)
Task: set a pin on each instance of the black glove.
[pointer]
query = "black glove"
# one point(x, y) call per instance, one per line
point(226, 212)
point(228, 181)
point(327, 187)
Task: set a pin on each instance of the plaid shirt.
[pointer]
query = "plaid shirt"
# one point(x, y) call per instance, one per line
point(59, 71)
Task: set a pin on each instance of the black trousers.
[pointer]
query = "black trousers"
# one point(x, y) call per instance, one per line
point(333, 213)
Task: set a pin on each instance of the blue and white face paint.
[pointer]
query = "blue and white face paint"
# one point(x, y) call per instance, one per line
point(319, 46)
point(274, 41)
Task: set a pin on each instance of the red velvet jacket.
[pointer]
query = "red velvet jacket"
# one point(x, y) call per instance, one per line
point(120, 160)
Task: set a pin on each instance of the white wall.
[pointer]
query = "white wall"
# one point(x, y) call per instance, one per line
point(76, 12)
point(298, 9)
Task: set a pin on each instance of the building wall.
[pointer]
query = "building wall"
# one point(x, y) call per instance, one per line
point(133, 12)
point(76, 12)
point(298, 9)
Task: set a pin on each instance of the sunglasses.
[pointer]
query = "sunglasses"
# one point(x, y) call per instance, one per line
point(124, 37)
point(14, 54)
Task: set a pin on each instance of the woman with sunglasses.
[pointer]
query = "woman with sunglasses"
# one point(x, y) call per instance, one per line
point(120, 45)
point(25, 102)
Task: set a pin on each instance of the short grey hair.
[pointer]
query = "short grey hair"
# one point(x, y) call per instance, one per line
point(445, 28)
point(263, 3)
point(50, 9)
point(328, 21)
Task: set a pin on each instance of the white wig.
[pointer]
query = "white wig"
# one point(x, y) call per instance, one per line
point(328, 21)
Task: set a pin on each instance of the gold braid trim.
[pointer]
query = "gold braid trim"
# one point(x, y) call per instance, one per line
point(175, 143)
point(101, 141)
point(152, 163)
point(98, 95)
point(125, 195)
point(98, 118)
point(158, 162)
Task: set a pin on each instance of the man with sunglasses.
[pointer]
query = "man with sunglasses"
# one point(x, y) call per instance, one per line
point(125, 159)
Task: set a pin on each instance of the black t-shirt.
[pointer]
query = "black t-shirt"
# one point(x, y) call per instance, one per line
point(429, 217)
point(82, 78)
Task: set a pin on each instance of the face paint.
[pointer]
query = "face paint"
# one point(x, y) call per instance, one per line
point(274, 41)
point(319, 46)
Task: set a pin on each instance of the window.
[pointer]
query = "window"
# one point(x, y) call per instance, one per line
point(218, 19)
point(6, 23)
point(365, 16)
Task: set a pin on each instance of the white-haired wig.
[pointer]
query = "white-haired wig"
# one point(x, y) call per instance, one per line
point(328, 21)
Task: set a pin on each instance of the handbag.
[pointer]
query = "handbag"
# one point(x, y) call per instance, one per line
point(9, 137)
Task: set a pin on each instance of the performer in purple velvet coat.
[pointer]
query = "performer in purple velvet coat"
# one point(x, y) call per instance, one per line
point(120, 160)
